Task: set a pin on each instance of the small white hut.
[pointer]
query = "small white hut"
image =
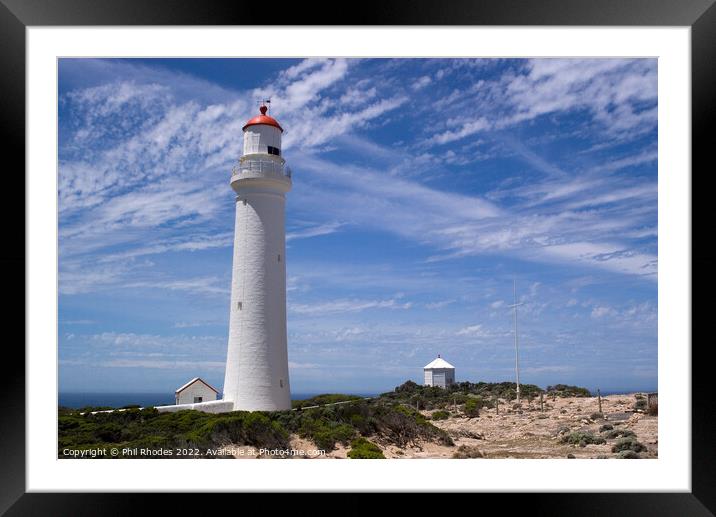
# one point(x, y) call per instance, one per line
point(439, 373)
point(195, 391)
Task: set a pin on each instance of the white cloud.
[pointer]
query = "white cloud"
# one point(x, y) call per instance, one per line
point(472, 330)
point(357, 97)
point(347, 305)
point(601, 312)
point(421, 82)
point(321, 229)
point(307, 86)
point(162, 364)
point(439, 305)
point(608, 88)
point(467, 128)
point(201, 285)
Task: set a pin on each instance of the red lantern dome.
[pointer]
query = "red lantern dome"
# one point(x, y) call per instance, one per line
point(263, 119)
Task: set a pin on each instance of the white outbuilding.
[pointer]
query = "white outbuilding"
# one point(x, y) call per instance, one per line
point(439, 373)
point(195, 391)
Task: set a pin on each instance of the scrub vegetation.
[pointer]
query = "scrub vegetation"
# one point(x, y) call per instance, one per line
point(387, 421)
point(364, 427)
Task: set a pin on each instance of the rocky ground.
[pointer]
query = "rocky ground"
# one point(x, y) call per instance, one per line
point(525, 432)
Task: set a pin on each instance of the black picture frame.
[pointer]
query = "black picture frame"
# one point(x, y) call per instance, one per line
point(17, 15)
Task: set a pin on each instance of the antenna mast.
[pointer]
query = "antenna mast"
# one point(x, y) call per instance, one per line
point(517, 347)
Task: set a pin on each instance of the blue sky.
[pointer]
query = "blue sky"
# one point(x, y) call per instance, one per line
point(421, 188)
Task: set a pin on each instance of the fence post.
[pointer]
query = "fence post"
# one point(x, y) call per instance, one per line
point(541, 402)
point(497, 404)
point(599, 397)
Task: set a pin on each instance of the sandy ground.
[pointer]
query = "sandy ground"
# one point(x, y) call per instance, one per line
point(533, 434)
point(519, 433)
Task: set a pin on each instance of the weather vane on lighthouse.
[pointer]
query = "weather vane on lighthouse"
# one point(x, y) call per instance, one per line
point(264, 103)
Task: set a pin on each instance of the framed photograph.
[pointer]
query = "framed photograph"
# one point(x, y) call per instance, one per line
point(455, 240)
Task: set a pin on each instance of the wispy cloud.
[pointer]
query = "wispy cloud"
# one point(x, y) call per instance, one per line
point(314, 231)
point(439, 305)
point(355, 305)
point(472, 330)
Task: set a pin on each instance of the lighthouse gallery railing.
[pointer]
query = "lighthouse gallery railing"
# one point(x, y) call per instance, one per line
point(256, 165)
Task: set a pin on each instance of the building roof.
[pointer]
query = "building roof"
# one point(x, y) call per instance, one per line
point(263, 119)
point(438, 363)
point(195, 379)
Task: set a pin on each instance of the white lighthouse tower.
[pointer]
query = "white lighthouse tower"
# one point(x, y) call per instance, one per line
point(257, 360)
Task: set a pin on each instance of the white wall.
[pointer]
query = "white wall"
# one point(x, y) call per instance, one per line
point(441, 377)
point(215, 406)
point(198, 389)
point(428, 378)
point(257, 358)
point(258, 138)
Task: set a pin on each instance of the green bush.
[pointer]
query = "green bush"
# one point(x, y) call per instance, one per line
point(616, 433)
point(628, 454)
point(471, 408)
point(606, 427)
point(403, 426)
point(324, 439)
point(363, 449)
point(628, 443)
point(440, 415)
point(432, 397)
point(565, 390)
point(640, 404)
point(325, 433)
point(582, 438)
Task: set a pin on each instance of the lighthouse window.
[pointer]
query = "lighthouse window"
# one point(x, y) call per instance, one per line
point(279, 257)
point(274, 150)
point(239, 305)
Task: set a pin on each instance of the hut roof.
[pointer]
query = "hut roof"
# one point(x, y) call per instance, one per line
point(195, 379)
point(438, 363)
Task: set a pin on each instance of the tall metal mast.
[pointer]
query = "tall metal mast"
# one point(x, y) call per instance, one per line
point(517, 347)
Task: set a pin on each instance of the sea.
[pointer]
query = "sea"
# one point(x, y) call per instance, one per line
point(118, 400)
